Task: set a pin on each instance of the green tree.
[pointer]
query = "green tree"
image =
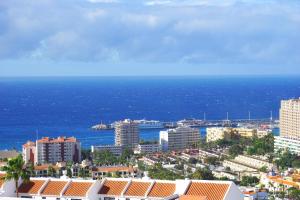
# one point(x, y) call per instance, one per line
point(203, 174)
point(86, 154)
point(211, 160)
point(296, 163)
point(249, 181)
point(51, 171)
point(235, 150)
point(294, 193)
point(193, 161)
point(158, 172)
point(69, 173)
point(15, 170)
point(104, 158)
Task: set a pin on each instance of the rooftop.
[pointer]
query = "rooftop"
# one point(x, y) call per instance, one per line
point(31, 187)
point(57, 140)
point(113, 187)
point(53, 188)
point(78, 189)
point(137, 189)
point(212, 191)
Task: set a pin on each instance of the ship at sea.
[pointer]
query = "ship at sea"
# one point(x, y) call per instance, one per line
point(149, 124)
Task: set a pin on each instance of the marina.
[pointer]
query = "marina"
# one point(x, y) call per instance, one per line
point(197, 123)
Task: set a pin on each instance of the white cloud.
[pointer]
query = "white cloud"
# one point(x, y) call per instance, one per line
point(103, 1)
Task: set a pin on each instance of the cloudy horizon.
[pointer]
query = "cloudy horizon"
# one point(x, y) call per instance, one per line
point(149, 37)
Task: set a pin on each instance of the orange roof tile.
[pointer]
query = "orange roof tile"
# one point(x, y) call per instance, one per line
point(286, 182)
point(54, 188)
point(192, 197)
point(113, 188)
point(213, 191)
point(162, 190)
point(45, 167)
point(78, 189)
point(57, 140)
point(113, 169)
point(29, 144)
point(137, 189)
point(1, 180)
point(31, 187)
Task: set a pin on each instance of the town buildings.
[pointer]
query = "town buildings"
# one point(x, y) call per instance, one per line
point(121, 189)
point(52, 150)
point(7, 154)
point(220, 133)
point(127, 133)
point(289, 126)
point(147, 148)
point(179, 138)
point(115, 150)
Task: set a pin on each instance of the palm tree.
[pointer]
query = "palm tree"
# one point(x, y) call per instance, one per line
point(16, 170)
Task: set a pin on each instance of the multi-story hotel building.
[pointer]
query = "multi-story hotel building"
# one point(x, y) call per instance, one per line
point(178, 138)
point(127, 133)
point(52, 150)
point(217, 133)
point(290, 119)
point(289, 126)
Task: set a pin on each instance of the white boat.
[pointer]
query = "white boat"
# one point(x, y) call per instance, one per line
point(149, 124)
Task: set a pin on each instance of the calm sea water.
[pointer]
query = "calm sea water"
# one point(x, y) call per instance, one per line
point(70, 106)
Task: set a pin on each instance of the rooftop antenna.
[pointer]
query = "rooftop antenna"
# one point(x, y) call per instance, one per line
point(227, 116)
point(37, 134)
point(204, 116)
point(249, 115)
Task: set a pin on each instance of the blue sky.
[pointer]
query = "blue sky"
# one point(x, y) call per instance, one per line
point(149, 37)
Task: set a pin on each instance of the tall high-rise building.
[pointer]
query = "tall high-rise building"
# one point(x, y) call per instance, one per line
point(289, 126)
point(290, 119)
point(178, 138)
point(52, 150)
point(127, 133)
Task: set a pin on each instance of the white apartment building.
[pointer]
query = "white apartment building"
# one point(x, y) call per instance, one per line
point(290, 119)
point(289, 126)
point(238, 167)
point(147, 148)
point(179, 138)
point(116, 150)
point(121, 189)
point(218, 133)
point(283, 143)
point(53, 150)
point(254, 162)
point(127, 133)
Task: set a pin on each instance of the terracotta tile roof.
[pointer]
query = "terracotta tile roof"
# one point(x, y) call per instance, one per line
point(113, 169)
point(1, 180)
point(29, 144)
point(31, 187)
point(192, 197)
point(54, 188)
point(137, 189)
point(286, 182)
point(162, 190)
point(57, 140)
point(44, 167)
point(213, 191)
point(78, 189)
point(113, 188)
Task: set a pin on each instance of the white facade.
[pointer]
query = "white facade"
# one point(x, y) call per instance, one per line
point(254, 162)
point(147, 148)
point(217, 133)
point(116, 150)
point(117, 188)
point(179, 138)
point(127, 133)
point(61, 149)
point(29, 152)
point(290, 119)
point(284, 143)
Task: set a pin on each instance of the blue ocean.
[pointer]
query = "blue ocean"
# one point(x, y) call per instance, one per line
point(36, 107)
